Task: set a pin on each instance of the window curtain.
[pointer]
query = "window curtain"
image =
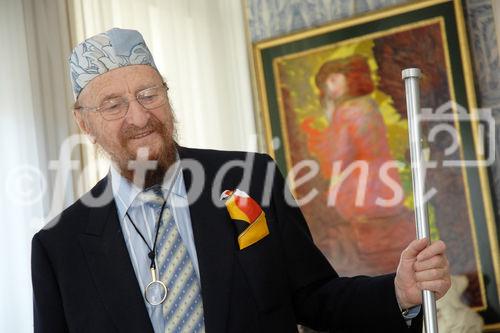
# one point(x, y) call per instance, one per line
point(18, 146)
point(35, 122)
point(200, 48)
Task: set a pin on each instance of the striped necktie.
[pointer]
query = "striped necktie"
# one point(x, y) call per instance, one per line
point(183, 307)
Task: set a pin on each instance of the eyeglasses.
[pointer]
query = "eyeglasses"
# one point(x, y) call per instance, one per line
point(117, 107)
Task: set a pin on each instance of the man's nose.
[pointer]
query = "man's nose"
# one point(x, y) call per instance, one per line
point(137, 115)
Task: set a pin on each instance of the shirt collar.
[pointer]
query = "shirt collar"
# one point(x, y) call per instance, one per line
point(125, 192)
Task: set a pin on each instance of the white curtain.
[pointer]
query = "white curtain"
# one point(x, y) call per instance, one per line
point(20, 182)
point(200, 47)
point(18, 149)
point(35, 120)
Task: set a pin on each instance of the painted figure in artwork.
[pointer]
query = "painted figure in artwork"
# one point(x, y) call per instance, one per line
point(354, 155)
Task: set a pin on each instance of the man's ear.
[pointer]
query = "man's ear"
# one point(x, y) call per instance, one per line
point(83, 124)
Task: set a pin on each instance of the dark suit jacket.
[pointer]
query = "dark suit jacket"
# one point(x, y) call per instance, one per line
point(84, 281)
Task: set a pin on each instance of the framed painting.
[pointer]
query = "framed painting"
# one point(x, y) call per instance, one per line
point(333, 107)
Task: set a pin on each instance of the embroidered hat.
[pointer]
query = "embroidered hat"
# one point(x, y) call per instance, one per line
point(101, 53)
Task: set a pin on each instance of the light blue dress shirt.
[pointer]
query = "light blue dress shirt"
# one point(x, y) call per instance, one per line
point(144, 218)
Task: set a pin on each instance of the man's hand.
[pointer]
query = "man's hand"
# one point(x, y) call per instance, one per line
point(421, 268)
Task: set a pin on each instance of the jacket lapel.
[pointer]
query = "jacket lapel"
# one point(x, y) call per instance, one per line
point(109, 262)
point(215, 244)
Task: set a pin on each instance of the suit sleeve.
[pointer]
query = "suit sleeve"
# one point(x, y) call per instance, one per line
point(47, 304)
point(322, 300)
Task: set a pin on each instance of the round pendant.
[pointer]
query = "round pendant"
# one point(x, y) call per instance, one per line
point(155, 292)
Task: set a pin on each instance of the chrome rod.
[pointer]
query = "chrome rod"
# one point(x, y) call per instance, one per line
point(411, 77)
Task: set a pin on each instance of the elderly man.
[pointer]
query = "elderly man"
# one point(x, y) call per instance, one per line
point(183, 240)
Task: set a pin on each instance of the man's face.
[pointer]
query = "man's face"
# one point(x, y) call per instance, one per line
point(140, 128)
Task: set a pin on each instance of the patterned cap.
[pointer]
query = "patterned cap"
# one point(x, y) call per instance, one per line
point(101, 53)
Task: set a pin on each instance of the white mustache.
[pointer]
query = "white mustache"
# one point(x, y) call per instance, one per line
point(142, 134)
point(134, 132)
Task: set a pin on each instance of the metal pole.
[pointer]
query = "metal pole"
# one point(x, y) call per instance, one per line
point(411, 77)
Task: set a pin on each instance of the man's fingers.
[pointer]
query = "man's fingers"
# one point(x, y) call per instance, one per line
point(439, 261)
point(434, 249)
point(414, 248)
point(424, 266)
point(438, 286)
point(431, 274)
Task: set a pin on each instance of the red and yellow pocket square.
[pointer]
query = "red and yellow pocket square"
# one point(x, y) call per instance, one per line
point(248, 217)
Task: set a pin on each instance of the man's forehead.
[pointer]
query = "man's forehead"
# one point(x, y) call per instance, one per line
point(121, 80)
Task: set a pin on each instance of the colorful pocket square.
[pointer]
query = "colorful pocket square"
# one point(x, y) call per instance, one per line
point(248, 217)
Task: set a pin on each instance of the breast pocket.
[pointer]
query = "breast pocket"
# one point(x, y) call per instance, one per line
point(264, 272)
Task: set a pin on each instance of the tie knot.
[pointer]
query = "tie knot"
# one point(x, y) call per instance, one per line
point(152, 195)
